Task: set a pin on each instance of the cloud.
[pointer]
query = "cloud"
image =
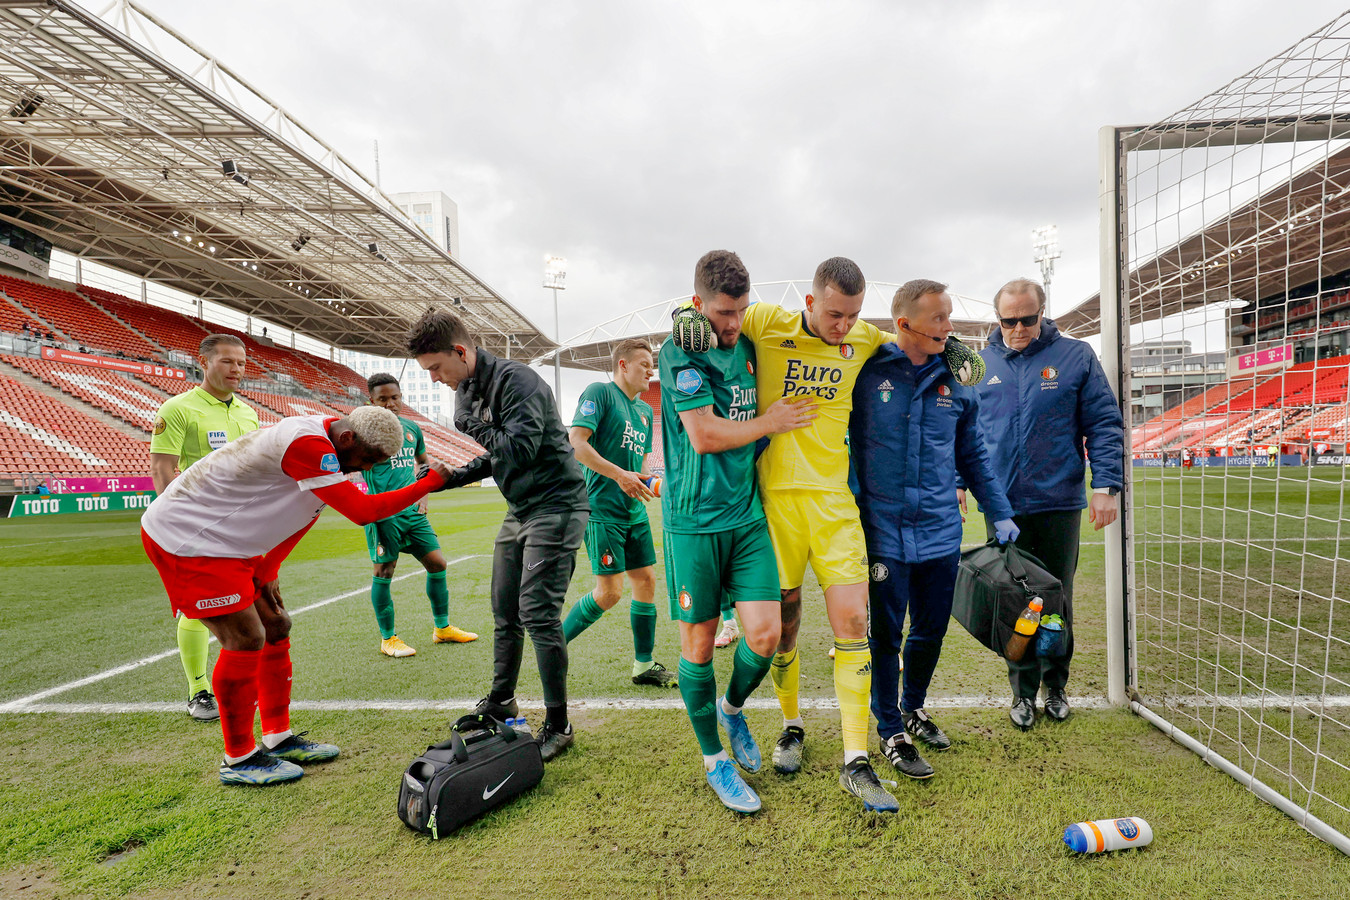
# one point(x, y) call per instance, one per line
point(919, 139)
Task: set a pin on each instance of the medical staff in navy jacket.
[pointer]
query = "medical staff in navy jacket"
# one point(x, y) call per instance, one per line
point(912, 428)
point(1045, 400)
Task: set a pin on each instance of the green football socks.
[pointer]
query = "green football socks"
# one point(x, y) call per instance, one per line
point(439, 595)
point(747, 671)
point(698, 687)
point(382, 598)
point(642, 618)
point(583, 614)
point(193, 641)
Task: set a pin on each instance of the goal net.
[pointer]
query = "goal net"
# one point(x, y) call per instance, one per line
point(1226, 286)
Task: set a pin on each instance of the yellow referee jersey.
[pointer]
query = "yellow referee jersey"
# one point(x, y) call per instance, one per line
point(194, 423)
point(795, 363)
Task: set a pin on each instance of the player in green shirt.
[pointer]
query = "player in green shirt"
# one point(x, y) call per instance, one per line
point(716, 539)
point(188, 427)
point(405, 532)
point(611, 435)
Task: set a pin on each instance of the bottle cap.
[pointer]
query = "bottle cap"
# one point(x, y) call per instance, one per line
point(1074, 837)
point(1036, 604)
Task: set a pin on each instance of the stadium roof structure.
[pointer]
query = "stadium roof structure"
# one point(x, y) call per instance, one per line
point(152, 156)
point(1292, 234)
point(592, 348)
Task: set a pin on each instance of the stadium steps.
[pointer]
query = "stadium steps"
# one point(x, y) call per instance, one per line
point(130, 327)
point(37, 384)
point(29, 315)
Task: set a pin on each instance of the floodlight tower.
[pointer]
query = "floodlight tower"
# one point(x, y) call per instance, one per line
point(1044, 252)
point(555, 278)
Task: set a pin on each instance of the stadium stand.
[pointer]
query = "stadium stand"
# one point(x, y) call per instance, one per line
point(656, 459)
point(39, 434)
point(284, 405)
point(1288, 408)
point(80, 321)
point(109, 391)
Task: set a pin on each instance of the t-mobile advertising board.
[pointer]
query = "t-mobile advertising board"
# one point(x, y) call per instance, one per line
point(99, 485)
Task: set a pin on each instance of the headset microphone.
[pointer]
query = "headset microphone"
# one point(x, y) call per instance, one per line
point(921, 334)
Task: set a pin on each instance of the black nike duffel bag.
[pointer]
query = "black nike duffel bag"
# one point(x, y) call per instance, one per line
point(994, 583)
point(482, 766)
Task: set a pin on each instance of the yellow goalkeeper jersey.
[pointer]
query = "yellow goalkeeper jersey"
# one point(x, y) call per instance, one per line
point(793, 362)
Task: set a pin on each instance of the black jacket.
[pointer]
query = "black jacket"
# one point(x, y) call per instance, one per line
point(506, 407)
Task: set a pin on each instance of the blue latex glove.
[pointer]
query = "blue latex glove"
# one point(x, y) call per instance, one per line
point(1006, 530)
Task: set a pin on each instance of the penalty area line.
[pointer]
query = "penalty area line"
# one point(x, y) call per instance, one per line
point(18, 705)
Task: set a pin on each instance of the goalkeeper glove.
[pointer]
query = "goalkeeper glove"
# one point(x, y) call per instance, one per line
point(691, 330)
point(1006, 530)
point(965, 364)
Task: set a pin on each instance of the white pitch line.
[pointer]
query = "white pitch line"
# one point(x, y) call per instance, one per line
point(1303, 701)
point(574, 704)
point(17, 705)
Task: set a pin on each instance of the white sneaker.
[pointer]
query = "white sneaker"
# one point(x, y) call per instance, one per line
point(729, 634)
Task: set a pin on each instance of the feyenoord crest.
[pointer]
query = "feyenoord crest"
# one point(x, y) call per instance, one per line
point(749, 367)
point(1049, 373)
point(846, 351)
point(686, 601)
point(944, 390)
point(607, 559)
point(379, 549)
point(880, 572)
point(409, 436)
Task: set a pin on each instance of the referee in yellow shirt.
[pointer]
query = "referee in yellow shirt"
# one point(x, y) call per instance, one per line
point(187, 428)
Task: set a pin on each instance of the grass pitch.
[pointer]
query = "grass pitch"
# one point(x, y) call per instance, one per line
point(100, 804)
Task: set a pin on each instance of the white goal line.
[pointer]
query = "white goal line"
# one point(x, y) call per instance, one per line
point(574, 704)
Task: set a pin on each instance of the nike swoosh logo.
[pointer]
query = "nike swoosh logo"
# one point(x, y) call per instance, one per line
point(487, 794)
point(534, 565)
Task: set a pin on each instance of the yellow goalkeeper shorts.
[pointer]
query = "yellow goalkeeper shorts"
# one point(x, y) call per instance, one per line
point(822, 528)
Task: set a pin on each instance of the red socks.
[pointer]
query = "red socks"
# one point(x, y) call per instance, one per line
point(235, 682)
point(274, 687)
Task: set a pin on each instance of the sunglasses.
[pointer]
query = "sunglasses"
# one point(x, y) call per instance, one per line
point(1024, 321)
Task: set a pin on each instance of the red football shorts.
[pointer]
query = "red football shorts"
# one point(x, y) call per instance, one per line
point(203, 586)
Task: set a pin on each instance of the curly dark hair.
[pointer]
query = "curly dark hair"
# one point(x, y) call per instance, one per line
point(720, 272)
point(378, 379)
point(438, 331)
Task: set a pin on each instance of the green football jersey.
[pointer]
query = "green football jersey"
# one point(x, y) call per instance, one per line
point(621, 433)
point(707, 492)
point(399, 470)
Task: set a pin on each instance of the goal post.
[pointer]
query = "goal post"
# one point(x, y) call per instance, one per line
point(1225, 327)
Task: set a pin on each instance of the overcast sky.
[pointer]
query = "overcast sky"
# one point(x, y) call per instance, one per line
point(920, 139)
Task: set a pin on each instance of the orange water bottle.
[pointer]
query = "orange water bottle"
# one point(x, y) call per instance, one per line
point(1026, 626)
point(653, 483)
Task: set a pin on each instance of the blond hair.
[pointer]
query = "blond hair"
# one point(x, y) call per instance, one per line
point(377, 428)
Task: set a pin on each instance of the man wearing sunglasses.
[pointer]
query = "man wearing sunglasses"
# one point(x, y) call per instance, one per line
point(1044, 401)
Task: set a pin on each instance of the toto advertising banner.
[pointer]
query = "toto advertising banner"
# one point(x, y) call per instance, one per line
point(57, 354)
point(63, 504)
point(99, 485)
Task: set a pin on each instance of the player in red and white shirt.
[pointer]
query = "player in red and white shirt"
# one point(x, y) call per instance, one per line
point(218, 535)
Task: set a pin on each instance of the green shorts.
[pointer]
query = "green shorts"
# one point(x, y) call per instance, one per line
point(402, 533)
point(615, 548)
point(700, 567)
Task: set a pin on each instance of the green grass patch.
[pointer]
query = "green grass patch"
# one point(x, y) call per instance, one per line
point(129, 805)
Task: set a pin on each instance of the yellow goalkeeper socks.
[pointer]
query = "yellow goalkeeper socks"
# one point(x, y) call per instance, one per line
point(853, 687)
point(786, 673)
